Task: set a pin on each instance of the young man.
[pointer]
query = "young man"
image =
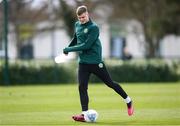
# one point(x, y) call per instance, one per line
point(86, 42)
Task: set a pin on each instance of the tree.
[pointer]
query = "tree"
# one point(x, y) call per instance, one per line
point(68, 17)
point(158, 18)
point(23, 18)
point(68, 14)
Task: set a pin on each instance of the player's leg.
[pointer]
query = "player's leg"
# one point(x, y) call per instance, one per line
point(102, 73)
point(83, 77)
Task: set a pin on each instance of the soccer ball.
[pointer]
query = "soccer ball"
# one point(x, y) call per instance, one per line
point(91, 116)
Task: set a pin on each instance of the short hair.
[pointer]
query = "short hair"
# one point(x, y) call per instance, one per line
point(81, 9)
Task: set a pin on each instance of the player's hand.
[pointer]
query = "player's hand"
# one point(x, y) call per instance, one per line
point(65, 52)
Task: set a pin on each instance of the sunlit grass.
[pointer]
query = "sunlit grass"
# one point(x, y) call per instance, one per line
point(155, 104)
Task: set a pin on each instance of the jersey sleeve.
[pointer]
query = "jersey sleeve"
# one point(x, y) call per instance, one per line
point(73, 41)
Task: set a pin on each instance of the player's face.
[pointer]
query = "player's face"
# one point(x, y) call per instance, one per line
point(83, 18)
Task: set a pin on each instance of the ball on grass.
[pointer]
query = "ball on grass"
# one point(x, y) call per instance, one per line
point(91, 115)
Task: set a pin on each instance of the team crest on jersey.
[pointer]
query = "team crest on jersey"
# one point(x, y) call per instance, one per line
point(85, 30)
point(100, 65)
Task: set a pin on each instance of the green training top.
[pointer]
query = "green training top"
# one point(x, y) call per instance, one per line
point(86, 42)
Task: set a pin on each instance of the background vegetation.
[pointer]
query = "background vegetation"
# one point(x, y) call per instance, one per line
point(158, 18)
point(32, 72)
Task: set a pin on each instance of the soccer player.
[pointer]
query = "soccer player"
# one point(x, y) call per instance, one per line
point(86, 42)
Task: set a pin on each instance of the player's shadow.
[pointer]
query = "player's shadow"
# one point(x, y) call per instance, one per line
point(117, 123)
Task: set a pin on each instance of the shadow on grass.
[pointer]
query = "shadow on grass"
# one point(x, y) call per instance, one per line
point(117, 123)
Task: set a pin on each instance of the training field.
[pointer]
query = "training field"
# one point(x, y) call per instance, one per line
point(155, 104)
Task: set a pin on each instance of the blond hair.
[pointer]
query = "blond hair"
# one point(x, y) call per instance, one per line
point(81, 9)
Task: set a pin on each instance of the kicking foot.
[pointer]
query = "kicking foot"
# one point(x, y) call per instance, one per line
point(79, 118)
point(130, 108)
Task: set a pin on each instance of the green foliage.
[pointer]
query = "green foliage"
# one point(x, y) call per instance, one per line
point(30, 74)
point(120, 71)
point(141, 71)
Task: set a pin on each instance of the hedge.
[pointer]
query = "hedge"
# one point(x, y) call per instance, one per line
point(120, 71)
point(145, 71)
point(41, 74)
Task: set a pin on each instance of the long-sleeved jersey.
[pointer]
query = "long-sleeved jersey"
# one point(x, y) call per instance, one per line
point(86, 42)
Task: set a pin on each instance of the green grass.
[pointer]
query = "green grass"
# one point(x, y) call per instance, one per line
point(155, 104)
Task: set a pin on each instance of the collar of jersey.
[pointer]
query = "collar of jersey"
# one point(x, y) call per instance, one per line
point(87, 23)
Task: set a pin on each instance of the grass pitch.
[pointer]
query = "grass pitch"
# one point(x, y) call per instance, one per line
point(155, 104)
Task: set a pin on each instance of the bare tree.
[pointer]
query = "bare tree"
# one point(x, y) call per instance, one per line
point(68, 15)
point(23, 18)
point(158, 18)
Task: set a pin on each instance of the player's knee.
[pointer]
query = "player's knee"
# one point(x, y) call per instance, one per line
point(111, 85)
